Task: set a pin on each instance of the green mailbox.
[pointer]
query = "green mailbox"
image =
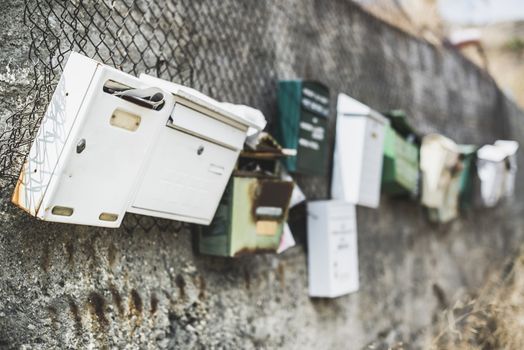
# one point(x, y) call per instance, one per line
point(302, 125)
point(468, 155)
point(253, 210)
point(400, 174)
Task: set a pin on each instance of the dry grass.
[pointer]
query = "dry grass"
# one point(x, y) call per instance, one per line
point(493, 320)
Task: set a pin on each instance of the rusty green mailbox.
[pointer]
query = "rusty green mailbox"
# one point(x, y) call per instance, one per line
point(251, 215)
point(400, 172)
point(302, 125)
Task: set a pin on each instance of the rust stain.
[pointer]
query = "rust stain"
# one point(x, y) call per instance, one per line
point(135, 304)
point(202, 288)
point(270, 193)
point(112, 255)
point(154, 304)
point(181, 284)
point(247, 278)
point(75, 313)
point(45, 259)
point(97, 305)
point(251, 251)
point(117, 299)
point(53, 315)
point(281, 275)
point(70, 250)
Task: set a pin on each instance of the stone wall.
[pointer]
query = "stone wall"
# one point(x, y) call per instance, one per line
point(66, 286)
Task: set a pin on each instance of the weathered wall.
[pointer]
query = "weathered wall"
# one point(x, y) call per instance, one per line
point(65, 286)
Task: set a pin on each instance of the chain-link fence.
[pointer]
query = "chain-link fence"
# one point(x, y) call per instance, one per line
point(232, 50)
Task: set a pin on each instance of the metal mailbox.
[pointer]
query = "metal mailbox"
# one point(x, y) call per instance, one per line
point(359, 146)
point(194, 154)
point(442, 169)
point(467, 179)
point(333, 250)
point(254, 208)
point(302, 125)
point(400, 171)
point(496, 166)
point(88, 155)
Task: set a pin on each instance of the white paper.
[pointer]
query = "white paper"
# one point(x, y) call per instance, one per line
point(287, 241)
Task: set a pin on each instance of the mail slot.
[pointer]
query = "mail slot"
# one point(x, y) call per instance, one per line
point(332, 248)
point(359, 145)
point(89, 152)
point(252, 213)
point(302, 125)
point(496, 166)
point(400, 173)
point(193, 156)
point(442, 168)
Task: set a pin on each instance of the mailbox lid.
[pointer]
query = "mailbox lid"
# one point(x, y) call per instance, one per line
point(302, 125)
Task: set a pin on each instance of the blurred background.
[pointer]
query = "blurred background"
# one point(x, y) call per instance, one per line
point(488, 32)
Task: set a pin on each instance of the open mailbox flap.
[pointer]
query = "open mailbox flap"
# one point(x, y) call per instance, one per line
point(193, 157)
point(91, 146)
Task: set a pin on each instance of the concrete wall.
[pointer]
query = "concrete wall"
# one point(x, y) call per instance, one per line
point(65, 286)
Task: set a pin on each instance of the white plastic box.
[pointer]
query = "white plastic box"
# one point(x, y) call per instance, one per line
point(193, 156)
point(359, 145)
point(333, 250)
point(89, 151)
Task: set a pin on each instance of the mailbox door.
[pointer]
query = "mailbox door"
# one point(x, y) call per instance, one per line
point(185, 178)
point(287, 125)
point(103, 156)
point(406, 165)
point(302, 125)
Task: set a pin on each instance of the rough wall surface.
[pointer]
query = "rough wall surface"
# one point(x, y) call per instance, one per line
point(65, 286)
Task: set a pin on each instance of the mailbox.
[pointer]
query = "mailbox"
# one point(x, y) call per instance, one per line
point(332, 248)
point(194, 154)
point(400, 173)
point(89, 152)
point(252, 213)
point(442, 168)
point(359, 146)
point(510, 147)
point(468, 177)
point(302, 125)
point(496, 166)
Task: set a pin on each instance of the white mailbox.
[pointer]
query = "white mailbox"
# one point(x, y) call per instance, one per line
point(496, 167)
point(359, 147)
point(193, 156)
point(90, 148)
point(333, 250)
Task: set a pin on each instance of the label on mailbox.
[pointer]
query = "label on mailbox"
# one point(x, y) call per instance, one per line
point(302, 125)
